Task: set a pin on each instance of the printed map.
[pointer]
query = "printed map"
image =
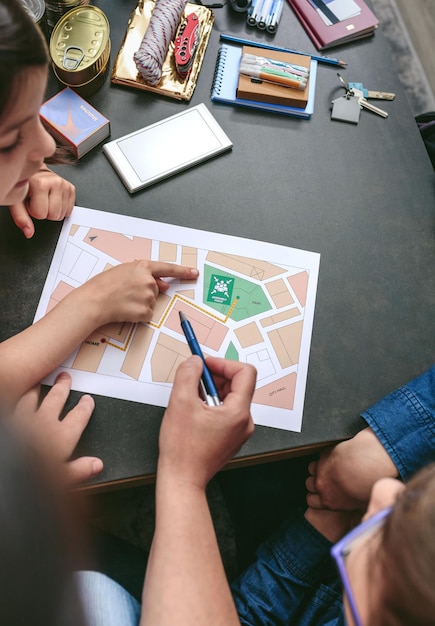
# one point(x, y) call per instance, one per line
point(253, 302)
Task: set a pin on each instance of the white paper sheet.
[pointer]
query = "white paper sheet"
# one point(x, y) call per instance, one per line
point(253, 302)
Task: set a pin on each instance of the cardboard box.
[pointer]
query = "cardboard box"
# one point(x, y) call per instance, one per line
point(73, 122)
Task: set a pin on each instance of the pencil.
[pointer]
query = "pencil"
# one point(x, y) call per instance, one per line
point(266, 46)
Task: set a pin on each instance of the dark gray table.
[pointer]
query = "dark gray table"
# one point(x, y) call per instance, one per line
point(362, 196)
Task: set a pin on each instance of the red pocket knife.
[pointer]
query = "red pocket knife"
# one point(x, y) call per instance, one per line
point(186, 44)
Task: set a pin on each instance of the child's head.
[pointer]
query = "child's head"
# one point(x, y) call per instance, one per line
point(24, 143)
point(408, 555)
point(389, 563)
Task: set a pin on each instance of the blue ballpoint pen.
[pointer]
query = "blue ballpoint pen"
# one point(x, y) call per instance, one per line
point(211, 395)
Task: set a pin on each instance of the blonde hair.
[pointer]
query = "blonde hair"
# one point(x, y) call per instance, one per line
point(408, 556)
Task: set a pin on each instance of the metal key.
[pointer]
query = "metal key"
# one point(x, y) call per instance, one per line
point(367, 93)
point(367, 105)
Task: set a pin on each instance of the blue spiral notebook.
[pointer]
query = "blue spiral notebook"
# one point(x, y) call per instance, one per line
point(226, 78)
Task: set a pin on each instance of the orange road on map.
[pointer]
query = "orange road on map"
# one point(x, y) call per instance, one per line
point(168, 307)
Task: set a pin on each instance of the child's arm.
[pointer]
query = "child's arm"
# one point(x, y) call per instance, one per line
point(126, 292)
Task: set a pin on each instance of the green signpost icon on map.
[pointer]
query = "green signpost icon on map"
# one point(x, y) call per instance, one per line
point(220, 290)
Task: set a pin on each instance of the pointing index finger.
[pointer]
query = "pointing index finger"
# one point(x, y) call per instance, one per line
point(161, 269)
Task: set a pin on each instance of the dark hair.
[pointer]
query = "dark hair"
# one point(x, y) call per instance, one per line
point(22, 46)
point(408, 556)
point(36, 583)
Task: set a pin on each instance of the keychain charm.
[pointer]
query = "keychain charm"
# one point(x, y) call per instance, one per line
point(346, 109)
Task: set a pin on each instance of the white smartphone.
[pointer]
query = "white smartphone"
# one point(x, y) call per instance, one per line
point(175, 143)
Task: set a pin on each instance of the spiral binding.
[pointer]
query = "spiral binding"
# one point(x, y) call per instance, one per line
point(219, 71)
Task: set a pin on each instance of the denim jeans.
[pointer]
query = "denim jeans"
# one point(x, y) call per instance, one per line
point(292, 581)
point(104, 602)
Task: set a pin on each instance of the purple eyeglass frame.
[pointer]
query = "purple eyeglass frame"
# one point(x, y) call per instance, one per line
point(340, 550)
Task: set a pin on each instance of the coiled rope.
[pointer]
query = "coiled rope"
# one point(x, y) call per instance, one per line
point(154, 47)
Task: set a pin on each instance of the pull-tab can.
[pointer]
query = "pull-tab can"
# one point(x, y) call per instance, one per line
point(80, 49)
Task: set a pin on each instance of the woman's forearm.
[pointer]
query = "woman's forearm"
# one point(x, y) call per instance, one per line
point(185, 582)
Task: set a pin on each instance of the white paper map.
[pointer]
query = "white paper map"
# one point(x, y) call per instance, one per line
point(253, 302)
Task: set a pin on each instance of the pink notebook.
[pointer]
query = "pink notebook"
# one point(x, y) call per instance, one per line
point(327, 25)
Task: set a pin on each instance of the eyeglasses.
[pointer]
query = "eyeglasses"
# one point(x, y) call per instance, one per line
point(341, 550)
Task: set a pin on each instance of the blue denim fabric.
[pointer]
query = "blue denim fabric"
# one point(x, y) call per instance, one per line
point(404, 422)
point(104, 602)
point(293, 581)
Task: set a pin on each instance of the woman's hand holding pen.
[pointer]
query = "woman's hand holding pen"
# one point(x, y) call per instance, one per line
point(196, 440)
point(185, 569)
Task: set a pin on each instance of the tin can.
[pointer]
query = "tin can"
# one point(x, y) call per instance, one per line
point(80, 49)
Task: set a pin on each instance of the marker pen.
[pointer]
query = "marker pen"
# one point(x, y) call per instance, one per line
point(265, 10)
point(271, 76)
point(254, 12)
point(275, 16)
point(255, 61)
